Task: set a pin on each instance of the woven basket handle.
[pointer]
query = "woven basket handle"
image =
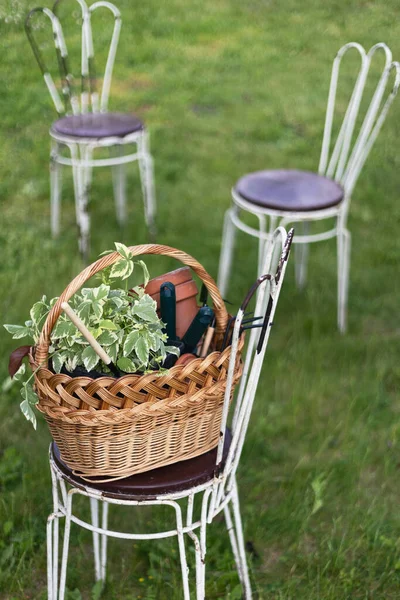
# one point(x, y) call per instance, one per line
point(221, 315)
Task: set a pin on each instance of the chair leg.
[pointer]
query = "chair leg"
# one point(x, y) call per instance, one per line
point(104, 538)
point(55, 190)
point(147, 181)
point(64, 560)
point(227, 248)
point(201, 549)
point(75, 178)
point(53, 537)
point(200, 554)
point(52, 556)
point(119, 184)
point(301, 258)
point(82, 179)
point(99, 551)
point(82, 175)
point(184, 565)
point(235, 530)
point(94, 510)
point(232, 536)
point(344, 249)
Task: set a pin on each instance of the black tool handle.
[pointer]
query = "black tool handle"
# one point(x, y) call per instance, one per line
point(197, 328)
point(168, 308)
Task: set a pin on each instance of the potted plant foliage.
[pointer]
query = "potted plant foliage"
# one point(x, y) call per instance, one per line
point(123, 321)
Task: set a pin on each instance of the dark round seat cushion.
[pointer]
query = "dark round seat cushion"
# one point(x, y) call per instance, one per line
point(97, 125)
point(289, 190)
point(177, 477)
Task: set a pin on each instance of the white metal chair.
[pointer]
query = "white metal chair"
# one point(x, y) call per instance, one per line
point(90, 126)
point(209, 479)
point(281, 197)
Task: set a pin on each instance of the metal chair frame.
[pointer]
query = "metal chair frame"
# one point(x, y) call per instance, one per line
point(343, 164)
point(81, 149)
point(217, 495)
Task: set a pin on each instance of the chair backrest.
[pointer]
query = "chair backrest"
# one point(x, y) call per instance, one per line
point(87, 97)
point(344, 159)
point(267, 288)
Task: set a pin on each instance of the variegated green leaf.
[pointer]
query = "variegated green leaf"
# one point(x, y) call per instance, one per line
point(64, 329)
point(154, 341)
point(121, 269)
point(90, 358)
point(145, 311)
point(107, 324)
point(123, 250)
point(149, 301)
point(142, 350)
point(86, 293)
point(30, 399)
point(95, 331)
point(38, 311)
point(101, 292)
point(117, 293)
point(72, 361)
point(20, 373)
point(172, 350)
point(130, 342)
point(97, 308)
point(127, 365)
point(118, 302)
point(146, 274)
point(58, 360)
point(112, 351)
point(17, 331)
point(106, 338)
point(83, 311)
point(29, 394)
point(28, 412)
point(79, 339)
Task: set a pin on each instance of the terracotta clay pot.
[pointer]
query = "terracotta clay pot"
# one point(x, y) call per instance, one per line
point(186, 292)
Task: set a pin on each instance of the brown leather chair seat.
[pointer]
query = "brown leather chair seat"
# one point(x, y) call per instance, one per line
point(165, 480)
point(289, 190)
point(97, 125)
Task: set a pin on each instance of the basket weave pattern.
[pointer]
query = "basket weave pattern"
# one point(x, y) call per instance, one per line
point(110, 427)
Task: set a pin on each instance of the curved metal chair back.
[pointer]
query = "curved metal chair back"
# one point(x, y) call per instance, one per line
point(267, 287)
point(345, 161)
point(87, 97)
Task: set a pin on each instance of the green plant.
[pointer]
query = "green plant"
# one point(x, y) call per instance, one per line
point(124, 322)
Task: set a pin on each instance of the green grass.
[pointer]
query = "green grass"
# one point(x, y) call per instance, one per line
point(225, 87)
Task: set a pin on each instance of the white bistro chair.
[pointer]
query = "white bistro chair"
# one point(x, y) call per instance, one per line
point(282, 197)
point(91, 126)
point(208, 481)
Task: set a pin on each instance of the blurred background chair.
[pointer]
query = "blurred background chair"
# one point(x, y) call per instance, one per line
point(206, 484)
point(283, 197)
point(90, 126)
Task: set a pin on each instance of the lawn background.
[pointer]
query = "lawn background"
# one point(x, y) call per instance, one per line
point(225, 87)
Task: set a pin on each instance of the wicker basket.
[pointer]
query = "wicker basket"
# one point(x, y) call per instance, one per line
point(116, 427)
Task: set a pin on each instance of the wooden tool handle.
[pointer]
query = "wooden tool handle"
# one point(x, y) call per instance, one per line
point(85, 332)
point(207, 340)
